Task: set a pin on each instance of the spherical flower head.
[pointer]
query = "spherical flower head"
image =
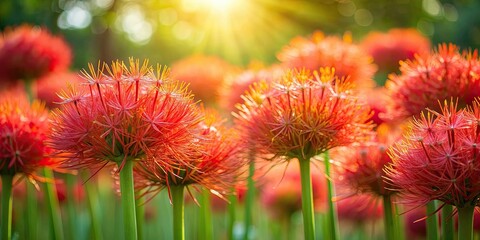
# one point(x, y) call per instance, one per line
point(48, 86)
point(319, 50)
point(237, 85)
point(437, 158)
point(302, 114)
point(281, 192)
point(23, 131)
point(427, 79)
point(388, 49)
point(377, 100)
point(122, 113)
point(359, 209)
point(204, 74)
point(28, 52)
point(212, 159)
point(362, 164)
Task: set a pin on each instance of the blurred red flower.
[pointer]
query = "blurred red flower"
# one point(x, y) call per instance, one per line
point(28, 52)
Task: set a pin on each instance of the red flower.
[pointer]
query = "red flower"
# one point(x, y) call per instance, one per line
point(423, 82)
point(48, 86)
point(302, 114)
point(204, 74)
point(348, 59)
point(122, 113)
point(362, 164)
point(211, 159)
point(28, 52)
point(438, 158)
point(359, 209)
point(23, 131)
point(388, 49)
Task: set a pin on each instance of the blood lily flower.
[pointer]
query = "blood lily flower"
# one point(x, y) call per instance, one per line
point(318, 50)
point(438, 160)
point(427, 79)
point(28, 52)
point(301, 115)
point(122, 114)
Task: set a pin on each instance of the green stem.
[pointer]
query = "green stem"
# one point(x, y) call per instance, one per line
point(31, 212)
point(432, 221)
point(447, 222)
point(93, 208)
point(231, 214)
point(53, 205)
point(71, 205)
point(332, 218)
point(205, 224)
point(388, 218)
point(128, 200)
point(140, 217)
point(177, 193)
point(307, 199)
point(249, 201)
point(465, 222)
point(6, 225)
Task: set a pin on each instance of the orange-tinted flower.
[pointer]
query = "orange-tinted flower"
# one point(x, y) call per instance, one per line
point(122, 113)
point(362, 164)
point(23, 131)
point(281, 193)
point(28, 52)
point(302, 114)
point(48, 86)
point(204, 74)
point(211, 159)
point(388, 49)
point(237, 85)
point(377, 100)
point(318, 51)
point(438, 158)
point(439, 76)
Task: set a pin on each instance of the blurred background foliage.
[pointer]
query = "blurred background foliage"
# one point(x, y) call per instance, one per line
point(240, 31)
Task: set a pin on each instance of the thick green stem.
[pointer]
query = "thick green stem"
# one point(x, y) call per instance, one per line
point(388, 218)
point(140, 217)
point(31, 212)
point(249, 201)
point(465, 222)
point(177, 193)
point(231, 215)
point(332, 218)
point(432, 221)
point(71, 205)
point(52, 204)
point(447, 222)
point(307, 199)
point(128, 200)
point(6, 225)
point(205, 224)
point(94, 209)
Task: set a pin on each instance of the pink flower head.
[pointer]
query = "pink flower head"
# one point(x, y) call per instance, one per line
point(211, 159)
point(362, 164)
point(437, 157)
point(348, 59)
point(281, 193)
point(48, 86)
point(204, 74)
point(427, 79)
point(23, 131)
point(28, 52)
point(302, 114)
point(377, 100)
point(122, 113)
point(388, 49)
